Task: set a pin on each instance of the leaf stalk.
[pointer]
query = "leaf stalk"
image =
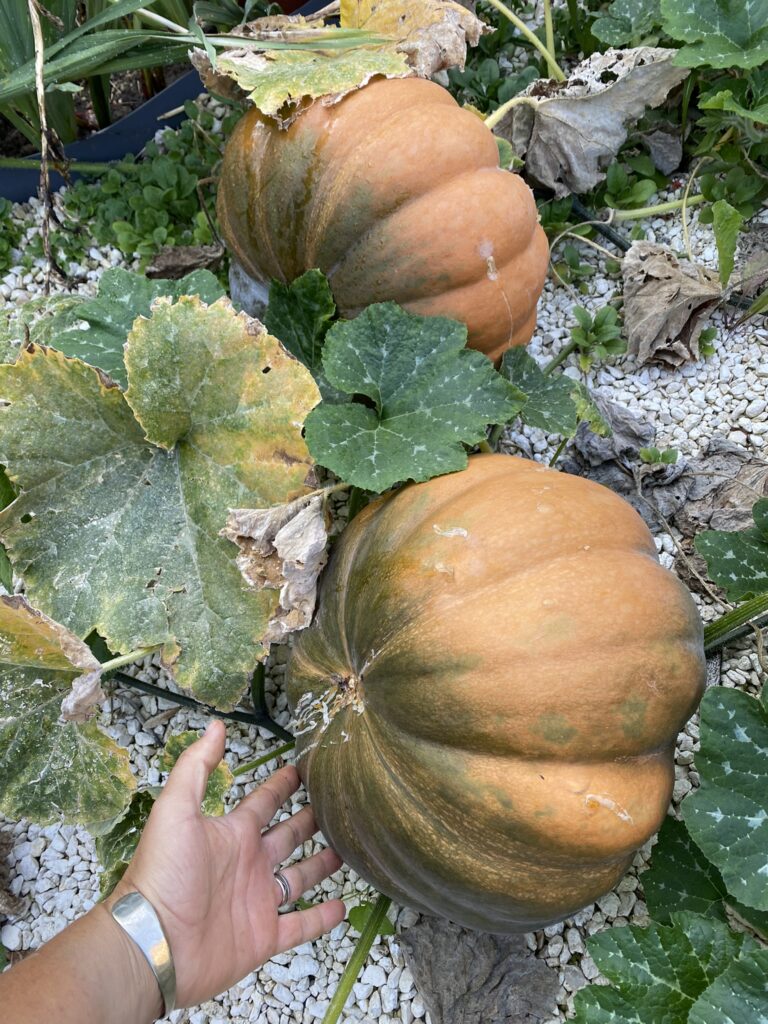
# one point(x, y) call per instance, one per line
point(554, 69)
point(358, 958)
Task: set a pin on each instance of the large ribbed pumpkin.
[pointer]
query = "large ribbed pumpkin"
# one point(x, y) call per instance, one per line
point(489, 697)
point(395, 193)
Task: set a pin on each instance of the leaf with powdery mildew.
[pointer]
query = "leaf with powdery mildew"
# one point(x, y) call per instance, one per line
point(116, 848)
point(430, 395)
point(109, 316)
point(728, 814)
point(50, 770)
point(115, 533)
point(658, 972)
point(219, 781)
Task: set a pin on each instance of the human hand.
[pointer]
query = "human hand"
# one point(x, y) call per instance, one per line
point(211, 880)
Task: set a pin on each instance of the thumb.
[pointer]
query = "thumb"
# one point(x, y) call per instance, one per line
point(189, 776)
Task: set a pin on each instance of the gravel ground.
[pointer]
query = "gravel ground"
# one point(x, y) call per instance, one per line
point(54, 868)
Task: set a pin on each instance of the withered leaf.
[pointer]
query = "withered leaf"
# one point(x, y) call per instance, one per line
point(173, 262)
point(283, 548)
point(569, 133)
point(433, 34)
point(666, 303)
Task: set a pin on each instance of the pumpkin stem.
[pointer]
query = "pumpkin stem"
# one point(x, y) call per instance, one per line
point(317, 712)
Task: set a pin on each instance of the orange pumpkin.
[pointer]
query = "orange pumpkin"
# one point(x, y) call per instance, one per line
point(488, 700)
point(395, 193)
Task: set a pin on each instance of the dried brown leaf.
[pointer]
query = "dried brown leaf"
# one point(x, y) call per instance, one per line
point(173, 262)
point(666, 303)
point(433, 34)
point(569, 133)
point(283, 548)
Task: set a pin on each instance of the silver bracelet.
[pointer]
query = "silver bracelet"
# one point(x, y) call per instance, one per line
point(137, 917)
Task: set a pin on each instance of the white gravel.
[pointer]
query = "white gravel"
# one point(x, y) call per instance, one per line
point(54, 868)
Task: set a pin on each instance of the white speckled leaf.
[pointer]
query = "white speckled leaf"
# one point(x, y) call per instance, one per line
point(431, 395)
point(114, 533)
point(728, 815)
point(737, 560)
point(116, 847)
point(109, 316)
point(50, 770)
point(738, 996)
point(626, 21)
point(658, 972)
point(720, 33)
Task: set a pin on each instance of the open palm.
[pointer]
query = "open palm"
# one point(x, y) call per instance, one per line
point(211, 880)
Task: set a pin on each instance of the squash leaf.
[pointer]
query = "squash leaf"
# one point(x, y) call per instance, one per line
point(626, 21)
point(299, 315)
point(116, 847)
point(737, 560)
point(219, 781)
point(119, 532)
point(738, 994)
point(50, 771)
point(556, 404)
point(657, 973)
point(681, 878)
point(122, 297)
point(424, 396)
point(727, 816)
point(719, 33)
point(433, 34)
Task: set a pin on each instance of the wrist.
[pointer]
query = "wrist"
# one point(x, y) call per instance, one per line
point(139, 985)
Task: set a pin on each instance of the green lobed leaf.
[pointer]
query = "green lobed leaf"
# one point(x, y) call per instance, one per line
point(116, 848)
point(50, 770)
point(720, 33)
point(553, 402)
point(657, 973)
point(726, 223)
point(299, 315)
point(430, 396)
point(122, 297)
point(738, 996)
point(112, 532)
point(727, 815)
point(626, 21)
point(681, 878)
point(737, 560)
point(219, 781)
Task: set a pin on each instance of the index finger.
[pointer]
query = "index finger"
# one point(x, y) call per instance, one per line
point(264, 803)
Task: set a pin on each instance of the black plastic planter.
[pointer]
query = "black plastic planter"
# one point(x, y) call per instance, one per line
point(128, 135)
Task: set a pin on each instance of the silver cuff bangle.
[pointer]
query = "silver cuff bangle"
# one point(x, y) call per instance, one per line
point(137, 917)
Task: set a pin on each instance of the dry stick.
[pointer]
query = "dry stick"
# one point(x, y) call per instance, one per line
point(44, 190)
point(325, 12)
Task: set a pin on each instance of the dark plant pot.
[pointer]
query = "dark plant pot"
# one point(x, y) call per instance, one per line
point(128, 135)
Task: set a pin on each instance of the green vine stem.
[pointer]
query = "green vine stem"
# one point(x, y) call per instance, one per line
point(656, 211)
point(13, 163)
point(500, 112)
point(126, 659)
point(251, 766)
point(495, 436)
point(549, 29)
point(736, 623)
point(561, 356)
point(358, 958)
point(522, 28)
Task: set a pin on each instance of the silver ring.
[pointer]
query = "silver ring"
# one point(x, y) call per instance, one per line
point(285, 888)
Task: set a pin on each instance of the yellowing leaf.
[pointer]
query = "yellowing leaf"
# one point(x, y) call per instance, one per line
point(51, 770)
point(117, 531)
point(433, 34)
